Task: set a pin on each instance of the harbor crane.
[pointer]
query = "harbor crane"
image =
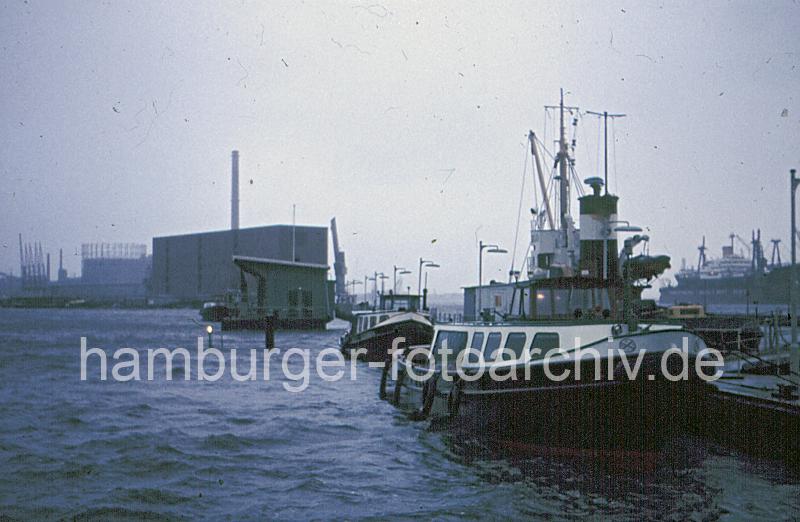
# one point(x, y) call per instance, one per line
point(776, 253)
point(339, 267)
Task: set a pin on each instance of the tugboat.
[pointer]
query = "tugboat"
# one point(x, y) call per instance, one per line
point(552, 380)
point(526, 381)
point(372, 333)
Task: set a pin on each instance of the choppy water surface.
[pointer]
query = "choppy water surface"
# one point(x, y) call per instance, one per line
point(251, 450)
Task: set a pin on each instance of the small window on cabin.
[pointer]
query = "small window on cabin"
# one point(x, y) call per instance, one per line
point(383, 318)
point(544, 303)
point(372, 321)
point(545, 341)
point(492, 344)
point(544, 260)
point(516, 343)
point(561, 302)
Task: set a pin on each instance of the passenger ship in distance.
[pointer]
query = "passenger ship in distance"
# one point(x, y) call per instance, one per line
point(372, 332)
point(587, 298)
point(733, 283)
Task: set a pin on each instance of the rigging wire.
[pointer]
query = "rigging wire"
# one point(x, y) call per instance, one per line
point(587, 151)
point(519, 212)
point(598, 172)
point(535, 192)
point(546, 113)
point(614, 151)
point(577, 182)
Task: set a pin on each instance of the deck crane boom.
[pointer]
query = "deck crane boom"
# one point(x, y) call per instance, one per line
point(540, 173)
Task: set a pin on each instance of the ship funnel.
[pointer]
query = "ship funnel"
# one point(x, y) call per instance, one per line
point(598, 237)
point(596, 184)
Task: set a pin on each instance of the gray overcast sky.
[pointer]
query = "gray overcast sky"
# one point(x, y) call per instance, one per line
point(405, 121)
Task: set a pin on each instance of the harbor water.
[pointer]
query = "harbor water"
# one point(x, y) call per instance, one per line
point(253, 450)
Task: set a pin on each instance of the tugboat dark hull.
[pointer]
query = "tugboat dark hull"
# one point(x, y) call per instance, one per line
point(607, 418)
point(374, 344)
point(600, 417)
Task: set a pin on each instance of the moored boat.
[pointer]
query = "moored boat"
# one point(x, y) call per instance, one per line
point(372, 334)
point(396, 323)
point(215, 312)
point(560, 386)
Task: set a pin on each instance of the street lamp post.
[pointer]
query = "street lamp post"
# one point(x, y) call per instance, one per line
point(423, 267)
point(423, 263)
point(795, 354)
point(402, 271)
point(382, 277)
point(374, 280)
point(492, 249)
point(353, 283)
point(419, 277)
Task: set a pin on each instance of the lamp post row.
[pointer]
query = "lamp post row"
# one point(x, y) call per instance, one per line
point(380, 276)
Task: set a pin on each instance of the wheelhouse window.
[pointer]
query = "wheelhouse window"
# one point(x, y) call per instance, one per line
point(456, 342)
point(544, 303)
point(516, 343)
point(492, 344)
point(545, 341)
point(475, 346)
point(477, 341)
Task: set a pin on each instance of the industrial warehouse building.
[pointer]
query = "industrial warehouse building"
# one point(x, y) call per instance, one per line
point(199, 267)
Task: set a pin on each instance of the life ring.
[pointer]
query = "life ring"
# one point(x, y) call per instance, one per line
point(398, 387)
point(454, 397)
point(428, 394)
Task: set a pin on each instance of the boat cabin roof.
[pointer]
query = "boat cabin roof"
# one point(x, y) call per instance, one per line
point(522, 338)
point(364, 320)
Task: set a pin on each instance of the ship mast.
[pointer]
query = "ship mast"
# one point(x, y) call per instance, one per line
point(563, 166)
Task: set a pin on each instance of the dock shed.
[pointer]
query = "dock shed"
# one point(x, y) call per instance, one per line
point(299, 293)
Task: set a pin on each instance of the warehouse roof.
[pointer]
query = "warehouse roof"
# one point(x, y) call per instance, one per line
point(239, 260)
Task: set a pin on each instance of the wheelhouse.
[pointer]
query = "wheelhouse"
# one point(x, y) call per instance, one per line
point(567, 298)
point(363, 321)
